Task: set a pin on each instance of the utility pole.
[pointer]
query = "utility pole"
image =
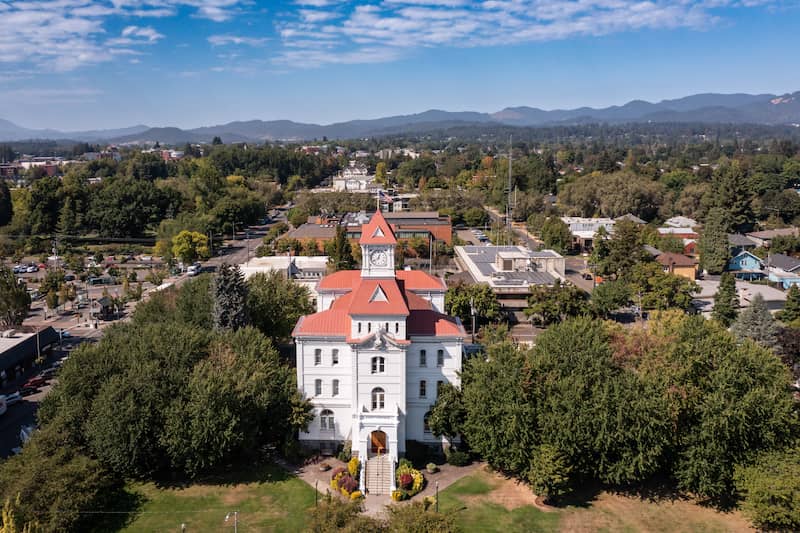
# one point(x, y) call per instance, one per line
point(508, 200)
point(473, 313)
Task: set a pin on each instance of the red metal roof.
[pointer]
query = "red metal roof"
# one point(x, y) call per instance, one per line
point(377, 231)
point(379, 297)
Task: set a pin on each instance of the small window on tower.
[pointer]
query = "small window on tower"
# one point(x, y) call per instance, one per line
point(317, 387)
point(359, 327)
point(423, 358)
point(318, 356)
point(335, 357)
point(335, 387)
point(439, 357)
point(397, 327)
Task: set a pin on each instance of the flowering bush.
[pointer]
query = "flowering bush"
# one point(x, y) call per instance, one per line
point(410, 480)
point(356, 495)
point(347, 483)
point(406, 480)
point(399, 495)
point(353, 466)
point(338, 470)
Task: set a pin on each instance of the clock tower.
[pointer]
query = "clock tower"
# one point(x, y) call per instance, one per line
point(377, 248)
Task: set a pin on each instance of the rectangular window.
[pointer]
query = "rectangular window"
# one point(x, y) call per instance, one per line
point(439, 387)
point(397, 327)
point(318, 356)
point(440, 358)
point(423, 389)
point(423, 358)
point(317, 387)
point(359, 327)
point(335, 357)
point(335, 387)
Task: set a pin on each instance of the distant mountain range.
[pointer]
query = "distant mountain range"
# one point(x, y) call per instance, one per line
point(767, 109)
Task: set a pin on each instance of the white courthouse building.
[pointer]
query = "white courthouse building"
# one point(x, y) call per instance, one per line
point(374, 354)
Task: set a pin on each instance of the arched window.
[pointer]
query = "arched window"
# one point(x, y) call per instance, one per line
point(378, 398)
point(378, 365)
point(439, 357)
point(326, 421)
point(425, 427)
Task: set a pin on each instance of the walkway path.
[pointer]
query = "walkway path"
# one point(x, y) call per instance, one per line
point(374, 504)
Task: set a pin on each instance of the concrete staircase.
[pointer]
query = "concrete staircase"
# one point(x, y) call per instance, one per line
point(379, 475)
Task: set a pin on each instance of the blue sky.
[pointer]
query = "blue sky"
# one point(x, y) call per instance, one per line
point(82, 64)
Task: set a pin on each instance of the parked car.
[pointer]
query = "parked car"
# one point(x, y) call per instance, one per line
point(587, 275)
point(35, 382)
point(49, 372)
point(31, 269)
point(69, 277)
point(20, 269)
point(14, 397)
point(146, 258)
point(27, 391)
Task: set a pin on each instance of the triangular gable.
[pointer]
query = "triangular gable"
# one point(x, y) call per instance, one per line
point(377, 231)
point(378, 295)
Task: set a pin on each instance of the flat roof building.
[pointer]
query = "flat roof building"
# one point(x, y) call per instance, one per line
point(511, 271)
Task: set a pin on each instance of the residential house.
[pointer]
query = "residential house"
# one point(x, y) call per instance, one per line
point(681, 222)
point(783, 270)
point(354, 178)
point(746, 266)
point(738, 242)
point(584, 229)
point(678, 264)
point(764, 238)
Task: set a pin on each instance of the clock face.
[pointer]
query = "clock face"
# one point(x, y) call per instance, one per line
point(378, 258)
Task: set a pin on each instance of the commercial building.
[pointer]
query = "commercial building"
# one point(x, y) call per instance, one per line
point(354, 178)
point(511, 271)
point(584, 229)
point(305, 271)
point(21, 345)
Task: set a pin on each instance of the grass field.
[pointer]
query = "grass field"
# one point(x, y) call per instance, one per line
point(266, 497)
point(485, 502)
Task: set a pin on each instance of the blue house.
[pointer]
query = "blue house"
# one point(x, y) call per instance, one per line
point(746, 266)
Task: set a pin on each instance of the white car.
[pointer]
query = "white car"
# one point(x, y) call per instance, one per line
point(31, 269)
point(14, 397)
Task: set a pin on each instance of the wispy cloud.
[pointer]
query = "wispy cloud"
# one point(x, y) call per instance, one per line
point(223, 40)
point(63, 35)
point(389, 29)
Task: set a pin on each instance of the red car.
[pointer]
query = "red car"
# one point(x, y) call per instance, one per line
point(35, 382)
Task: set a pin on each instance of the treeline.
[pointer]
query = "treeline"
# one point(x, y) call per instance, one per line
point(682, 403)
point(192, 383)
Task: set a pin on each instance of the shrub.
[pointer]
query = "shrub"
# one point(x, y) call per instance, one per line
point(338, 470)
point(406, 481)
point(348, 484)
point(353, 466)
point(399, 495)
point(431, 468)
point(335, 480)
point(428, 502)
point(771, 490)
point(458, 458)
point(345, 454)
point(549, 474)
point(417, 479)
point(405, 463)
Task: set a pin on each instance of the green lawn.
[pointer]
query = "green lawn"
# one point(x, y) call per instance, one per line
point(470, 499)
point(267, 498)
point(484, 502)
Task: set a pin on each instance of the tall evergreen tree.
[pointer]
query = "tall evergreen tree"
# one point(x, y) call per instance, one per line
point(733, 195)
point(230, 298)
point(791, 309)
point(725, 301)
point(713, 244)
point(757, 323)
point(341, 253)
